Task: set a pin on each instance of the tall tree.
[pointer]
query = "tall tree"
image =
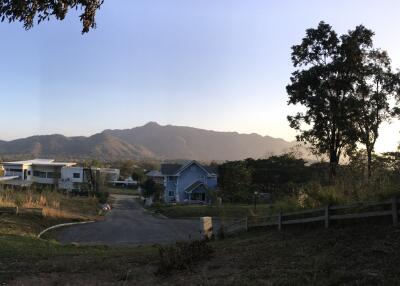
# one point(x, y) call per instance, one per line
point(322, 84)
point(235, 181)
point(29, 11)
point(376, 85)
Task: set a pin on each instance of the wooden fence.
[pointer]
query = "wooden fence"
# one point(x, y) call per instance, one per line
point(388, 208)
point(18, 210)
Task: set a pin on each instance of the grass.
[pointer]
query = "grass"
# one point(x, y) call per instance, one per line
point(57, 208)
point(226, 210)
point(36, 262)
point(358, 255)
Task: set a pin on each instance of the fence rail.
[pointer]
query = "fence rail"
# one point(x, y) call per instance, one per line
point(327, 214)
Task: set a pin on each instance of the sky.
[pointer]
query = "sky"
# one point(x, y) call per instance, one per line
point(213, 64)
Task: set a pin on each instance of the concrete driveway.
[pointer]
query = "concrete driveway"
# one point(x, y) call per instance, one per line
point(129, 223)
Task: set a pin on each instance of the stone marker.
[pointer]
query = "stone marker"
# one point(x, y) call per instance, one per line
point(206, 227)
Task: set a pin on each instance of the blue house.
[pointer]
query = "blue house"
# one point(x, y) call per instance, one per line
point(186, 183)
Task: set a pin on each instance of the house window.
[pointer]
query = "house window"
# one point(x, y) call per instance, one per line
point(50, 175)
point(77, 175)
point(29, 173)
point(171, 193)
point(39, 174)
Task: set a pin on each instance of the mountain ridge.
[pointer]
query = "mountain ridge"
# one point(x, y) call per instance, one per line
point(150, 141)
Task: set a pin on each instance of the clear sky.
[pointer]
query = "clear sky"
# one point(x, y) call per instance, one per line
point(214, 64)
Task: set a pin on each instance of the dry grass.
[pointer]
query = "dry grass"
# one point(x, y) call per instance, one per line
point(30, 199)
point(54, 204)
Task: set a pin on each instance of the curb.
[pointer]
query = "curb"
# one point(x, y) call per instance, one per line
point(62, 225)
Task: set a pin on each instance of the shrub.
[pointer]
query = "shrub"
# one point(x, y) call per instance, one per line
point(102, 197)
point(314, 195)
point(182, 256)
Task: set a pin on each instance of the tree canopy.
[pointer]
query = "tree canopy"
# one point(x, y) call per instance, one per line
point(344, 83)
point(29, 11)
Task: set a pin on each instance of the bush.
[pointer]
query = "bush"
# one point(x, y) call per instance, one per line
point(182, 256)
point(102, 197)
point(314, 195)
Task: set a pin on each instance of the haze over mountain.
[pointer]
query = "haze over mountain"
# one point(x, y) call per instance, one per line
point(149, 141)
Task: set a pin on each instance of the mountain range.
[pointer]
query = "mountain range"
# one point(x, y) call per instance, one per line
point(151, 141)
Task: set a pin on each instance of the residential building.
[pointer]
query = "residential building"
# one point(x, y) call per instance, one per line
point(64, 175)
point(187, 183)
point(40, 171)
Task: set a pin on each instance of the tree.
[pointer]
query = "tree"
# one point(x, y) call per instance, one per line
point(126, 168)
point(376, 85)
point(327, 68)
point(278, 174)
point(138, 174)
point(152, 189)
point(27, 11)
point(234, 181)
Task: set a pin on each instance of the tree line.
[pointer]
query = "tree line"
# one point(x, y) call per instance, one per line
point(287, 176)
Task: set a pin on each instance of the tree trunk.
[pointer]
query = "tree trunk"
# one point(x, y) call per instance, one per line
point(333, 162)
point(369, 163)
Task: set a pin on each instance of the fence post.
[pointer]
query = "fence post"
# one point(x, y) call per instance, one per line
point(16, 210)
point(395, 214)
point(280, 220)
point(247, 223)
point(327, 216)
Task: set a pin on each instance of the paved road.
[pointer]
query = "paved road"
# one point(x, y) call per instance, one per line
point(129, 223)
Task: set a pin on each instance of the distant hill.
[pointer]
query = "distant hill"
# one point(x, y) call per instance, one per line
point(149, 141)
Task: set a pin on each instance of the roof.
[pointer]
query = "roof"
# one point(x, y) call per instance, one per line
point(170, 169)
point(194, 186)
point(175, 169)
point(154, 173)
point(40, 162)
point(8, 178)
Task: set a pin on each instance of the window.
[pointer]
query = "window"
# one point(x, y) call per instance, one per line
point(50, 175)
point(29, 173)
point(171, 193)
point(15, 170)
point(39, 174)
point(77, 175)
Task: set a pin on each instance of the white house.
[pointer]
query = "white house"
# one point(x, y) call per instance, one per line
point(64, 175)
point(41, 171)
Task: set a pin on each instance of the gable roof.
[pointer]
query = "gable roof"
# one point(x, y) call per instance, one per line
point(184, 167)
point(194, 186)
point(175, 169)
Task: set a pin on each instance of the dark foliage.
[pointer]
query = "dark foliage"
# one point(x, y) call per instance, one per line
point(182, 256)
point(102, 197)
point(28, 11)
point(277, 175)
point(152, 189)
